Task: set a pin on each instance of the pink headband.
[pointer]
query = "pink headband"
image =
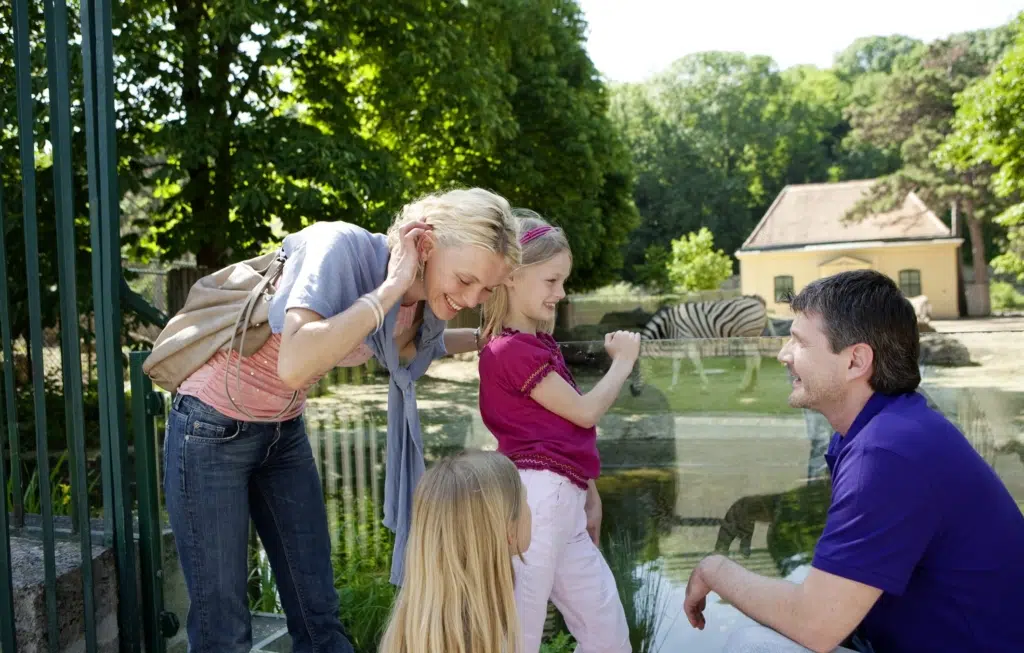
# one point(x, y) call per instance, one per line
point(534, 233)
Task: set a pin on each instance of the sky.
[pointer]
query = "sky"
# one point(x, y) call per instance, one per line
point(629, 40)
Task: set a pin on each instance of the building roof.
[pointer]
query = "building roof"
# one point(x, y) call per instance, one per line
point(812, 214)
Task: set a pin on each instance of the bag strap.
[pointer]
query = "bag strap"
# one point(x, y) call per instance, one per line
point(270, 276)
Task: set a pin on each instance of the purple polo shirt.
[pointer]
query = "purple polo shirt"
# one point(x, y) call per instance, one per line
point(917, 513)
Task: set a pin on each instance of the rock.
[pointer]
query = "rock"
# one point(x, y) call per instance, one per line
point(583, 345)
point(944, 351)
point(634, 319)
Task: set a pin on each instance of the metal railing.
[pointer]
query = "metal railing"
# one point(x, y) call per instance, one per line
point(115, 529)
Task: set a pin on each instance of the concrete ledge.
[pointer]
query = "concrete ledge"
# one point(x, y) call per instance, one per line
point(30, 596)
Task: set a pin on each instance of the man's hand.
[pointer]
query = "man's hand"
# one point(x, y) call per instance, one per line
point(697, 590)
point(593, 510)
point(818, 613)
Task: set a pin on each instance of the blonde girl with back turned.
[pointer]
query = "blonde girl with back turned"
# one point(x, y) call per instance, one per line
point(546, 426)
point(469, 518)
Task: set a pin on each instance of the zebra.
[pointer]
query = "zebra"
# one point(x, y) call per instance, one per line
point(738, 317)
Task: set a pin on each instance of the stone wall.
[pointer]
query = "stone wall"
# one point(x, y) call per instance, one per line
point(30, 615)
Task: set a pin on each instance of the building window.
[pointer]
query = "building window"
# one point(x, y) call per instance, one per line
point(783, 289)
point(910, 282)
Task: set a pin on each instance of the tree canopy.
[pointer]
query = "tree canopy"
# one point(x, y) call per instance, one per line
point(986, 134)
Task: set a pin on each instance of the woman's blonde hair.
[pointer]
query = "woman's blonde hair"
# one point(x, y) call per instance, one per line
point(536, 250)
point(472, 216)
point(457, 596)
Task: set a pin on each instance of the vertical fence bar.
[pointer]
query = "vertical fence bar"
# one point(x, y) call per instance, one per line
point(360, 462)
point(97, 56)
point(325, 426)
point(10, 399)
point(55, 12)
point(95, 212)
point(347, 474)
point(374, 492)
point(23, 64)
point(146, 405)
point(7, 640)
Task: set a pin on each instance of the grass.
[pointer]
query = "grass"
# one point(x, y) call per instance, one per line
point(722, 395)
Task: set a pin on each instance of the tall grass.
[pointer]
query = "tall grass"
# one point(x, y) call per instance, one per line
point(59, 487)
point(639, 588)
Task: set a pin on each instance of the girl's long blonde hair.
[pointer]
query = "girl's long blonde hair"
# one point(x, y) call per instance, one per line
point(457, 595)
point(497, 308)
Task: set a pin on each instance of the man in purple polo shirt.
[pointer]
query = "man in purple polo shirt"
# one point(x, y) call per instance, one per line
point(923, 548)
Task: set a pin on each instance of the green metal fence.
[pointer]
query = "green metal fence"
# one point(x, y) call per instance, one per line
point(110, 524)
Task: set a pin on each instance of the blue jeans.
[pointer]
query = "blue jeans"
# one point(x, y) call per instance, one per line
point(219, 472)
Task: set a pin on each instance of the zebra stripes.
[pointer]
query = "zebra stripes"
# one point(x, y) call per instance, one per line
point(685, 326)
point(738, 317)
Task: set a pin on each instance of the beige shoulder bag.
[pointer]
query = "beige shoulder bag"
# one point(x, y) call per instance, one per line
point(230, 304)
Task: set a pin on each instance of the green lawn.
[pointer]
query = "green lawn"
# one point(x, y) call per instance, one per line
point(724, 374)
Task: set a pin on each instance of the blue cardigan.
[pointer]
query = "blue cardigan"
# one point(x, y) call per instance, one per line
point(329, 266)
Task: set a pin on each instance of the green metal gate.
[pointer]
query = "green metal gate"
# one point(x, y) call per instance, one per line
point(45, 159)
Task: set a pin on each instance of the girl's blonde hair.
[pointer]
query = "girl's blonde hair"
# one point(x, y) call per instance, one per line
point(457, 596)
point(471, 216)
point(537, 250)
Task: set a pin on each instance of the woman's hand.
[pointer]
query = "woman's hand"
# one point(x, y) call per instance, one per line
point(405, 258)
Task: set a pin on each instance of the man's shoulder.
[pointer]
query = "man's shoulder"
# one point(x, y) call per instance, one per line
point(906, 424)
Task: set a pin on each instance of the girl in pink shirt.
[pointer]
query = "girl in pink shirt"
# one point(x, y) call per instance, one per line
point(546, 426)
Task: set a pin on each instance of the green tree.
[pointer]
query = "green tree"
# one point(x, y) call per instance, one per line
point(565, 159)
point(987, 132)
point(696, 264)
point(717, 136)
point(675, 191)
point(653, 272)
point(872, 54)
point(238, 122)
point(242, 115)
point(915, 108)
point(710, 143)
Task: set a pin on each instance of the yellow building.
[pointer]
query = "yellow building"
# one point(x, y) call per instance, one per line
point(803, 237)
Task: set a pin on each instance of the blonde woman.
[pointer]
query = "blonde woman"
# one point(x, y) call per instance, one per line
point(469, 518)
point(238, 451)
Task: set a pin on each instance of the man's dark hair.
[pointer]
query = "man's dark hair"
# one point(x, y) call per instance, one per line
point(864, 306)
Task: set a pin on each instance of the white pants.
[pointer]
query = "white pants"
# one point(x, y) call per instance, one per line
point(761, 639)
point(563, 564)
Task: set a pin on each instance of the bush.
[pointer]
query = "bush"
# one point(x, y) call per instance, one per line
point(1005, 297)
point(696, 264)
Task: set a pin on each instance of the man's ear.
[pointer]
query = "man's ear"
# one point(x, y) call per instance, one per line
point(862, 361)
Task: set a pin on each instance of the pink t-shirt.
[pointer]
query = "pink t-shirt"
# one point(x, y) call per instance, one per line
point(260, 390)
point(533, 437)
